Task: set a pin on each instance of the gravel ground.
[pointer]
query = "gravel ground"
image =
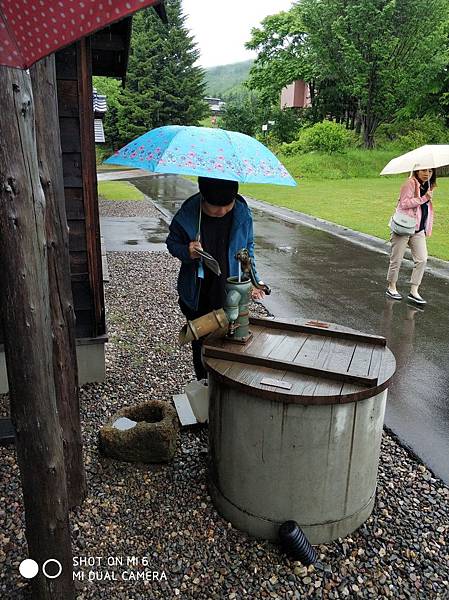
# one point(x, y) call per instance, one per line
point(163, 515)
point(124, 208)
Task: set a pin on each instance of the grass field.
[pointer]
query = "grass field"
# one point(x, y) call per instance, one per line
point(206, 122)
point(353, 163)
point(103, 168)
point(119, 190)
point(363, 204)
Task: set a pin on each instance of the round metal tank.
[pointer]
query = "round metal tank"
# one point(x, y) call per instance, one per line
point(295, 426)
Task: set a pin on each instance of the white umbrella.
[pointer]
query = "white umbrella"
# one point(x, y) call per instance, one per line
point(425, 157)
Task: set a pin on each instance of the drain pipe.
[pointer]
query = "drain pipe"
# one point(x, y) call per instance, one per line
point(295, 544)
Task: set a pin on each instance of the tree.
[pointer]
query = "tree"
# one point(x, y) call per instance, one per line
point(282, 54)
point(435, 103)
point(243, 113)
point(25, 308)
point(246, 112)
point(379, 54)
point(163, 84)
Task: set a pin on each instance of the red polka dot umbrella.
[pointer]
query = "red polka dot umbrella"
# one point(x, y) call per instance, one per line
point(32, 29)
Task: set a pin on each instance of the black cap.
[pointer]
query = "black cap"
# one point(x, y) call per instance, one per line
point(218, 192)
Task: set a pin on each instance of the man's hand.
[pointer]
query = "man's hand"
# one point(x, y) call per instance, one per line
point(257, 294)
point(192, 249)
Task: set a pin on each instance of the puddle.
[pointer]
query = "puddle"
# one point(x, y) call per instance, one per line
point(287, 249)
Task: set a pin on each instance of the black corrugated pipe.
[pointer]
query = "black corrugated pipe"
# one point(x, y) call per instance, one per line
point(295, 544)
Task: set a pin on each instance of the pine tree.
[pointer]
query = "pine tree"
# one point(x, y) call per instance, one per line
point(163, 87)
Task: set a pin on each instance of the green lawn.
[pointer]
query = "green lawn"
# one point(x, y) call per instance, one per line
point(353, 163)
point(206, 122)
point(119, 190)
point(103, 168)
point(363, 204)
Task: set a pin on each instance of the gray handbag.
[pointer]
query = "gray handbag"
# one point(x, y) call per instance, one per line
point(402, 224)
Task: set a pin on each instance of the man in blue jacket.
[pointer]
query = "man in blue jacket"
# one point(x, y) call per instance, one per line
point(219, 221)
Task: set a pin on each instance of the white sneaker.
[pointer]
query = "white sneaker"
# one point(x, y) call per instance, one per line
point(416, 299)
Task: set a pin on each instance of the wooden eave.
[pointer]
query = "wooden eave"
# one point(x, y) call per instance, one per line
point(110, 46)
point(110, 49)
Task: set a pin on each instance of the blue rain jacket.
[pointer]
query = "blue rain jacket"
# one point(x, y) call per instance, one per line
point(184, 229)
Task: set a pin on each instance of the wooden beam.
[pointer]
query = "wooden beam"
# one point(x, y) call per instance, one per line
point(286, 365)
point(24, 301)
point(317, 330)
point(65, 370)
point(161, 11)
point(108, 41)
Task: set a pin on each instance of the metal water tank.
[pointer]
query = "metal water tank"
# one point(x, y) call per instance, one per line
point(295, 426)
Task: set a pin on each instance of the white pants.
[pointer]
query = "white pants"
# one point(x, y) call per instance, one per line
point(418, 246)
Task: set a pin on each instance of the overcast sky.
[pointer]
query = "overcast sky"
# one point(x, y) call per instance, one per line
point(221, 27)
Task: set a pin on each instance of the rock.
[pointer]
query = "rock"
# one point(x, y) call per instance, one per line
point(152, 440)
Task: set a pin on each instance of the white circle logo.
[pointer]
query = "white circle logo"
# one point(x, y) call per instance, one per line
point(49, 561)
point(28, 568)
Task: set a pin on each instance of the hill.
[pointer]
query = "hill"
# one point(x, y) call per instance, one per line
point(224, 79)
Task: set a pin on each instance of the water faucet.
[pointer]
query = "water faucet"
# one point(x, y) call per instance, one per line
point(233, 318)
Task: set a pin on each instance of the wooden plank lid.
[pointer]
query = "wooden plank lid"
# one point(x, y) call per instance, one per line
point(302, 362)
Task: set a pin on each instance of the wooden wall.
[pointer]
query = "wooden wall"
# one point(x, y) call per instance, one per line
point(74, 78)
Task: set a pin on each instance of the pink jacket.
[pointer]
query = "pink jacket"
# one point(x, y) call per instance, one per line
point(410, 203)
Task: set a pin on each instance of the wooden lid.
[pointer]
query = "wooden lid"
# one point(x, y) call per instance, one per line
point(302, 362)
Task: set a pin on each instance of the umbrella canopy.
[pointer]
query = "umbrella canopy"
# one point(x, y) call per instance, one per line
point(204, 151)
point(425, 157)
point(32, 30)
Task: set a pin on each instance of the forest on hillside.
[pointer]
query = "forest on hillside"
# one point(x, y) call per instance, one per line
point(223, 80)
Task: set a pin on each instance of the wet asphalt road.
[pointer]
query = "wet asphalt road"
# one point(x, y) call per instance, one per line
point(317, 275)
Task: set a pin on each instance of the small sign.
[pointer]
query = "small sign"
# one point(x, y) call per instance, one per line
point(276, 383)
point(318, 324)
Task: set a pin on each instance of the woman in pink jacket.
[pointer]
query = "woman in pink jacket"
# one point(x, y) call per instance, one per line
point(415, 200)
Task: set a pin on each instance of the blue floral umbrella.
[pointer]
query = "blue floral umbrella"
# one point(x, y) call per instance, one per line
point(204, 151)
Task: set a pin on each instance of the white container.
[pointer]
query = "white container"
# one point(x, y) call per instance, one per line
point(197, 394)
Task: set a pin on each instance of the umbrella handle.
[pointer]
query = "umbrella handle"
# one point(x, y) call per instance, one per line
point(198, 233)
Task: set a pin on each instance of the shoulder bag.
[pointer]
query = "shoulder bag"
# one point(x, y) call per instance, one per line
point(402, 224)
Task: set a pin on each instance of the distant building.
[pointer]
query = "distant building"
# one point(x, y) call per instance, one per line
point(216, 105)
point(296, 95)
point(100, 109)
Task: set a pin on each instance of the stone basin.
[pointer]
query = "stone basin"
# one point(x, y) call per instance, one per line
point(152, 439)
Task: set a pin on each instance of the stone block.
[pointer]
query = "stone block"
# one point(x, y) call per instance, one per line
point(145, 433)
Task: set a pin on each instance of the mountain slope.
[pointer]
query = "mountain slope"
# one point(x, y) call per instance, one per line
point(225, 78)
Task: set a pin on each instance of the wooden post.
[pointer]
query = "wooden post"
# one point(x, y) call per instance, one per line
point(43, 78)
point(87, 136)
point(24, 301)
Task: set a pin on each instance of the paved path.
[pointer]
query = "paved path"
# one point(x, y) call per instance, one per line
point(116, 175)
